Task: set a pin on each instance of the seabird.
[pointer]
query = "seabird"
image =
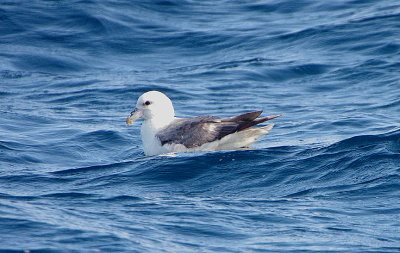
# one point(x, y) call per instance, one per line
point(162, 132)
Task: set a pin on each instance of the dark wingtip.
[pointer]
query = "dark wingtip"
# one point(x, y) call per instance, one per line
point(249, 116)
point(266, 118)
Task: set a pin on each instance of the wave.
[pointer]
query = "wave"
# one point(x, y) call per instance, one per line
point(355, 167)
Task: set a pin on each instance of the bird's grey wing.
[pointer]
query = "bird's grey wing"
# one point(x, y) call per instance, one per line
point(197, 131)
point(249, 119)
point(245, 117)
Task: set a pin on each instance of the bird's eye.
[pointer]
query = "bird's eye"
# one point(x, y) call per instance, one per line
point(147, 103)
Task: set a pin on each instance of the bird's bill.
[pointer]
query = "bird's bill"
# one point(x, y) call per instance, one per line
point(134, 116)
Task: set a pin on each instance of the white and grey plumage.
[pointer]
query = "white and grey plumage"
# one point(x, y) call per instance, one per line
point(162, 132)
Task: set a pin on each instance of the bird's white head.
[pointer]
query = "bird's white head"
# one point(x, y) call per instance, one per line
point(154, 106)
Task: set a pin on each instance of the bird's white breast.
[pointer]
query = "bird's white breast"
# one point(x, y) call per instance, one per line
point(151, 144)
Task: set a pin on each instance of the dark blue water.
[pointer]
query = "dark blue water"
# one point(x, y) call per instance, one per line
point(74, 178)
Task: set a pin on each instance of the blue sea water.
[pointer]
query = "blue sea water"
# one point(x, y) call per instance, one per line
point(74, 178)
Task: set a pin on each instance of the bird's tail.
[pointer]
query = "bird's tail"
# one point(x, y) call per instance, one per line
point(256, 133)
point(244, 138)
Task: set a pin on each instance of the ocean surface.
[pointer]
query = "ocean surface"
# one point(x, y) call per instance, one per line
point(74, 177)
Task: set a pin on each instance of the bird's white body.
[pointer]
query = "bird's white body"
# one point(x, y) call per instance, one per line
point(151, 144)
point(158, 114)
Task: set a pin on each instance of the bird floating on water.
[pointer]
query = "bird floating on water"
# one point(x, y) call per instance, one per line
point(163, 133)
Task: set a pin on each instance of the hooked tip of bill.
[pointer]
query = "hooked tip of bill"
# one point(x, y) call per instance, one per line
point(129, 121)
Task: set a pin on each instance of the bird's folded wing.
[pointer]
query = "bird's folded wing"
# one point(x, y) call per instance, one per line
point(194, 132)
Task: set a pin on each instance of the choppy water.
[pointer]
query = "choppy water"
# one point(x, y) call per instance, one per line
point(73, 177)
